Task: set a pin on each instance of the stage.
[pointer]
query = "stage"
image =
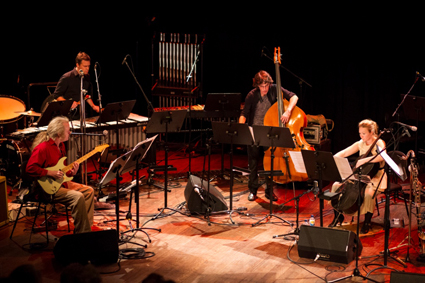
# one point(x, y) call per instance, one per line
point(189, 250)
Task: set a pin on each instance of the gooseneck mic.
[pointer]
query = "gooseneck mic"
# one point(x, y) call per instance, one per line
point(412, 128)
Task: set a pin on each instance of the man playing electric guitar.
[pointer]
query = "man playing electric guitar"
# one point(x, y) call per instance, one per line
point(48, 148)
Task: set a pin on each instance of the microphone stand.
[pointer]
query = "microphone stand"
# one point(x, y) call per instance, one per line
point(149, 104)
point(83, 126)
point(99, 97)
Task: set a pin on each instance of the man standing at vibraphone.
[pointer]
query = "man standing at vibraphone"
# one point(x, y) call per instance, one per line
point(69, 85)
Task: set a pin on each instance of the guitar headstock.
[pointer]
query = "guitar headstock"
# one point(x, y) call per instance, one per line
point(101, 147)
point(277, 55)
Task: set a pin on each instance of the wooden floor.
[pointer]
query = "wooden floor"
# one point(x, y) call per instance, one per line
point(189, 250)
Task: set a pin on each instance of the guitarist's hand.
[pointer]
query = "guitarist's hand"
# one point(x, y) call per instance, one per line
point(55, 174)
point(74, 169)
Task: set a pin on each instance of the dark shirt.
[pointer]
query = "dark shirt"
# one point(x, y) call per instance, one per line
point(46, 154)
point(254, 96)
point(69, 86)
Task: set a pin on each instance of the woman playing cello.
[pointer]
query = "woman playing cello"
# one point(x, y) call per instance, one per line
point(368, 131)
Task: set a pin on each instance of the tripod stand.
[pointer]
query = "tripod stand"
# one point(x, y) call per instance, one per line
point(165, 122)
point(272, 137)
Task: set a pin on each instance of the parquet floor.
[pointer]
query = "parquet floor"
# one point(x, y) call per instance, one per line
point(189, 250)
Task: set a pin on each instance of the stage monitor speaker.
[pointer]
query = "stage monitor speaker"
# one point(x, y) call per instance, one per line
point(404, 277)
point(329, 244)
point(196, 194)
point(98, 247)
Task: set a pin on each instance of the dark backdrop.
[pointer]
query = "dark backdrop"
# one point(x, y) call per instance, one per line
point(358, 59)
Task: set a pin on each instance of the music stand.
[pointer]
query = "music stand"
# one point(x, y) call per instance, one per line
point(114, 173)
point(231, 133)
point(320, 165)
point(228, 105)
point(165, 122)
point(54, 109)
point(272, 137)
point(389, 165)
point(115, 112)
point(132, 163)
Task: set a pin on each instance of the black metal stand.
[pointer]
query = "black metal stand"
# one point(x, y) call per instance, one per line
point(165, 122)
point(231, 133)
point(133, 162)
point(272, 137)
point(356, 271)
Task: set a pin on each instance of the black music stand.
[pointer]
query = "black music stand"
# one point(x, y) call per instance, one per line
point(272, 137)
point(231, 133)
point(114, 173)
point(54, 109)
point(390, 166)
point(134, 157)
point(115, 112)
point(165, 122)
point(321, 166)
point(227, 104)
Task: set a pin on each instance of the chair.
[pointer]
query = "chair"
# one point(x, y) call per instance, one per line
point(32, 195)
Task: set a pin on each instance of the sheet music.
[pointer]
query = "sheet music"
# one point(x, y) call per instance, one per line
point(344, 167)
point(252, 133)
point(391, 163)
point(297, 159)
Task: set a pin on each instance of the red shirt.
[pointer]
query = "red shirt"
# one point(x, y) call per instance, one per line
point(46, 154)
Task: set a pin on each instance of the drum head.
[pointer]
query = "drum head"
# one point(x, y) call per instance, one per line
point(8, 106)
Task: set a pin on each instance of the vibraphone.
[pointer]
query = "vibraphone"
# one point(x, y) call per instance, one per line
point(130, 133)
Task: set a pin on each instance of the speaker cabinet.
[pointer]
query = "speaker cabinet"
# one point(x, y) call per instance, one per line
point(196, 194)
point(97, 247)
point(330, 244)
point(403, 277)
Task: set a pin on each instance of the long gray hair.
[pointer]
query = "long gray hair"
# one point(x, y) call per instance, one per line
point(55, 129)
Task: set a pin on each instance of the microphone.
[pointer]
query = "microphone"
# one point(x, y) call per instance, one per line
point(81, 73)
point(420, 76)
point(412, 128)
point(316, 189)
point(125, 59)
point(103, 134)
point(95, 65)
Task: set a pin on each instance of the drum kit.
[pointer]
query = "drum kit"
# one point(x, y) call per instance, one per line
point(13, 152)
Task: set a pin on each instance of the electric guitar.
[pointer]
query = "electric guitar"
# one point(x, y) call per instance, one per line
point(51, 185)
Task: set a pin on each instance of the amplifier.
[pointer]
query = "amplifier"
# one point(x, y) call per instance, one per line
point(313, 134)
point(4, 211)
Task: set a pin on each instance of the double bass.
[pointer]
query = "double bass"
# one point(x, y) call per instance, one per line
point(296, 123)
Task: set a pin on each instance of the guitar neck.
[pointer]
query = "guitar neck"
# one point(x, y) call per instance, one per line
point(79, 160)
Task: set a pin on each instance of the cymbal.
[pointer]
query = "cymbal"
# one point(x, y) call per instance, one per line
point(29, 113)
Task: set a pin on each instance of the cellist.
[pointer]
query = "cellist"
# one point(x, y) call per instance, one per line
point(257, 102)
point(368, 131)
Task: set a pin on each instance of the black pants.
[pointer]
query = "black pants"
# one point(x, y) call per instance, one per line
point(255, 154)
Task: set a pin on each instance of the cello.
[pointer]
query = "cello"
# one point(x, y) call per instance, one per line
point(297, 121)
point(347, 201)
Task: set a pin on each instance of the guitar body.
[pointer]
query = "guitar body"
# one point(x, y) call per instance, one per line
point(51, 185)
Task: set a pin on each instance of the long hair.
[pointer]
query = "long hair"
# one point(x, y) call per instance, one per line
point(55, 129)
point(370, 125)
